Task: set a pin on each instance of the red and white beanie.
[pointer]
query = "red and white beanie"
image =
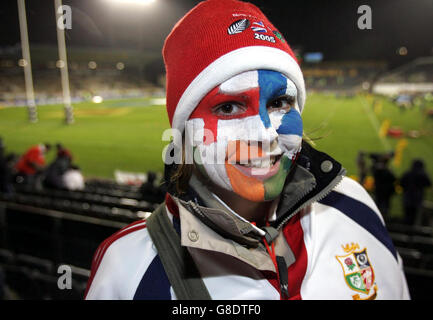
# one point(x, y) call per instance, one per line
point(215, 41)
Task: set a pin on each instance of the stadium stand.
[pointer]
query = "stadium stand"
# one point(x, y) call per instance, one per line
point(342, 76)
point(91, 72)
point(415, 245)
point(41, 230)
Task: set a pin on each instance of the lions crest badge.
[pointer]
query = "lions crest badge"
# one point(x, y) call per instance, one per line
point(358, 271)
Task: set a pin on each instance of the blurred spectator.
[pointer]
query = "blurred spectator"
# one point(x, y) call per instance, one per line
point(31, 164)
point(150, 191)
point(384, 181)
point(63, 152)
point(413, 182)
point(148, 188)
point(73, 179)
point(62, 174)
point(53, 176)
point(5, 171)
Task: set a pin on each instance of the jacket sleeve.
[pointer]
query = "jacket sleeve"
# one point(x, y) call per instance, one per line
point(351, 255)
point(119, 264)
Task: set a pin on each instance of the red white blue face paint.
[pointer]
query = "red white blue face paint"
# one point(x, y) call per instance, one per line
point(248, 132)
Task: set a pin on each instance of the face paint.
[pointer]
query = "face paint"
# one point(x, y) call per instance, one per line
point(247, 132)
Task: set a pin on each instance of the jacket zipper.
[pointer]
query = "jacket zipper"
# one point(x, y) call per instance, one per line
point(327, 190)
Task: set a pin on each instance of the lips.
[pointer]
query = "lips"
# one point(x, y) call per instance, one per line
point(261, 169)
point(251, 160)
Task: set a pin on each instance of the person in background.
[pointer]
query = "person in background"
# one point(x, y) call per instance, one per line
point(414, 182)
point(62, 173)
point(73, 179)
point(6, 186)
point(384, 184)
point(63, 152)
point(32, 163)
point(53, 175)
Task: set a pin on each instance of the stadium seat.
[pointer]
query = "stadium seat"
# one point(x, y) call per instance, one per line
point(6, 257)
point(423, 244)
point(411, 257)
point(401, 240)
point(34, 263)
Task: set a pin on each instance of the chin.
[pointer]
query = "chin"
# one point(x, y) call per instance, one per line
point(266, 186)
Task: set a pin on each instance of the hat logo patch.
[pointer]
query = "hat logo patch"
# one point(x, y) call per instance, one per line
point(259, 27)
point(261, 36)
point(279, 36)
point(238, 26)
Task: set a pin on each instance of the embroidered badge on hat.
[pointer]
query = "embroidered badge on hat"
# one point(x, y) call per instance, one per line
point(258, 27)
point(238, 26)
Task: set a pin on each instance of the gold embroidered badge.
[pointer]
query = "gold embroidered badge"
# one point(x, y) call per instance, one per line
point(358, 271)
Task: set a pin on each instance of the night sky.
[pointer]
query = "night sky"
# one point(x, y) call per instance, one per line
point(326, 26)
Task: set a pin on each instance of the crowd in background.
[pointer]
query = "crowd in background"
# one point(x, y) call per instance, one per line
point(413, 182)
point(31, 169)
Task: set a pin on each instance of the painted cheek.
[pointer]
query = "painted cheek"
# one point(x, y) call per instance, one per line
point(291, 123)
point(248, 187)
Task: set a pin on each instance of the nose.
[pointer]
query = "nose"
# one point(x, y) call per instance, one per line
point(268, 136)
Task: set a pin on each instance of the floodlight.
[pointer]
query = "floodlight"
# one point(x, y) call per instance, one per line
point(140, 2)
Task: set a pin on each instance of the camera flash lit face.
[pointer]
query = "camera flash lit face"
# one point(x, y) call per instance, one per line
point(247, 133)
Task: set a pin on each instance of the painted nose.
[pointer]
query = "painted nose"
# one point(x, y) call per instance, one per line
point(269, 138)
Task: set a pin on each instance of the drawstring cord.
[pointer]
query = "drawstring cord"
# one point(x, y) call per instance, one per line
point(274, 260)
point(280, 267)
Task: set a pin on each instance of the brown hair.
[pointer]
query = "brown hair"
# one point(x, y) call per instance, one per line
point(182, 174)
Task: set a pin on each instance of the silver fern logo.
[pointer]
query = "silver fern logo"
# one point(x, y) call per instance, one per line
point(238, 26)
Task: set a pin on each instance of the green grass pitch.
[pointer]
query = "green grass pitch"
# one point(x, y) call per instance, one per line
point(126, 134)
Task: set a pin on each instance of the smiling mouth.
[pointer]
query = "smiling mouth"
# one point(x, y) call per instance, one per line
point(261, 169)
point(266, 162)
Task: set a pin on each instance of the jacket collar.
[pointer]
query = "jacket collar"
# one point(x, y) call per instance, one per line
point(314, 176)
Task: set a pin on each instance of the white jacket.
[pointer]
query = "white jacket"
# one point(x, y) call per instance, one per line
point(340, 246)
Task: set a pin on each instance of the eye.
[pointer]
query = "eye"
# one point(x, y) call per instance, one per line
point(281, 103)
point(228, 109)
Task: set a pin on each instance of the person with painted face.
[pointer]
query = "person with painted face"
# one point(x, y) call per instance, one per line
point(252, 210)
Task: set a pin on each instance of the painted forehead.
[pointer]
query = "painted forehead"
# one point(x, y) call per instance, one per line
point(274, 82)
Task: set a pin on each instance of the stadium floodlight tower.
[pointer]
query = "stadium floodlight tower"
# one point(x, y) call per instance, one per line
point(26, 63)
point(63, 63)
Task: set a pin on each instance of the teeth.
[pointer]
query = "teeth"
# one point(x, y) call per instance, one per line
point(266, 163)
point(260, 163)
point(256, 163)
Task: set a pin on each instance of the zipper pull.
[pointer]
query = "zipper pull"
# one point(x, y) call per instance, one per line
point(283, 276)
point(271, 234)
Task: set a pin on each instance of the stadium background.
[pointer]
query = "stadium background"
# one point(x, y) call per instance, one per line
point(116, 76)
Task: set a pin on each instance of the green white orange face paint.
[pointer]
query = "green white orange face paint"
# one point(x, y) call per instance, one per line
point(247, 132)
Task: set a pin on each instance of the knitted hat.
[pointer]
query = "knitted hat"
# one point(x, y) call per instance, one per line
point(215, 41)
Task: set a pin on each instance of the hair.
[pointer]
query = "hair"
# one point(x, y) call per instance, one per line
point(182, 173)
